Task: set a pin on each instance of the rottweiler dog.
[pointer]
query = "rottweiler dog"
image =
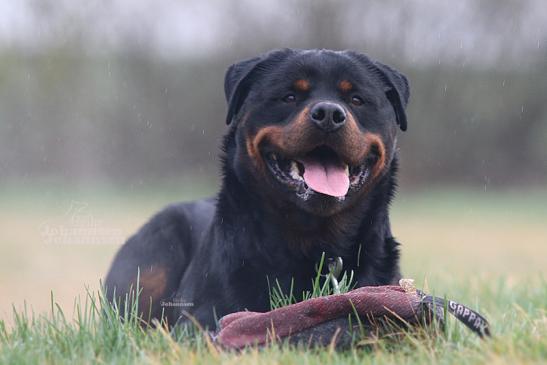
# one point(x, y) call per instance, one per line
point(309, 164)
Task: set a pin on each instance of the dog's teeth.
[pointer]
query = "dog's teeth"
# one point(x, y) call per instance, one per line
point(273, 156)
point(294, 172)
point(346, 169)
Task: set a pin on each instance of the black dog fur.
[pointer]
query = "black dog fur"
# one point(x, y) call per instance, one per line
point(208, 258)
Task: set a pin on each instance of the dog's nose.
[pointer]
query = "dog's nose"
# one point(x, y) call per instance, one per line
point(328, 116)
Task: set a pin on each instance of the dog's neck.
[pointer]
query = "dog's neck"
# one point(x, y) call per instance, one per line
point(242, 215)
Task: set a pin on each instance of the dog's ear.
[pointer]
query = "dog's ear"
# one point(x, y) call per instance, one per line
point(397, 91)
point(396, 85)
point(240, 76)
point(235, 89)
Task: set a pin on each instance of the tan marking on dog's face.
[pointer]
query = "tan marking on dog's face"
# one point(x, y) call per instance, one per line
point(354, 148)
point(345, 86)
point(373, 140)
point(300, 136)
point(302, 85)
point(253, 142)
point(362, 144)
point(278, 136)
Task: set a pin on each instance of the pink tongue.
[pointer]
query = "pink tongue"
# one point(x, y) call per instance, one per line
point(329, 179)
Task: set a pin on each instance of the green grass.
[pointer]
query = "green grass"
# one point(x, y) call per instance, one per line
point(517, 314)
point(322, 285)
point(485, 250)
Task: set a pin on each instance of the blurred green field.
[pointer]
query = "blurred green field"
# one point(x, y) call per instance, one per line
point(486, 249)
point(446, 236)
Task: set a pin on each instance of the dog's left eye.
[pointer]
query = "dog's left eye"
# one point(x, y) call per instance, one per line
point(356, 100)
point(289, 98)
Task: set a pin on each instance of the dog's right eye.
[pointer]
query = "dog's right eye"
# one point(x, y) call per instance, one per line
point(289, 98)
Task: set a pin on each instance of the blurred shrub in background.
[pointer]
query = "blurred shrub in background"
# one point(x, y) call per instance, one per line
point(131, 91)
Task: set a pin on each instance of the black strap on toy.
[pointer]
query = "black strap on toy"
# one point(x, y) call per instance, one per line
point(473, 320)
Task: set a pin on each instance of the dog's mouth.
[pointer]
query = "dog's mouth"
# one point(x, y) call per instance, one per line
point(321, 170)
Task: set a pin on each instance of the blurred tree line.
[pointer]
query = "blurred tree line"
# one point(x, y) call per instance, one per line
point(76, 112)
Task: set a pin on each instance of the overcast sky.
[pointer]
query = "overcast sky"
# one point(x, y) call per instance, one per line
point(445, 30)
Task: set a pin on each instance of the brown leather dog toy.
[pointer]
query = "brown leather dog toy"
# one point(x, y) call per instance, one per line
point(328, 320)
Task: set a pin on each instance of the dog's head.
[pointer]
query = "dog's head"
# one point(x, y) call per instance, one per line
point(313, 129)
